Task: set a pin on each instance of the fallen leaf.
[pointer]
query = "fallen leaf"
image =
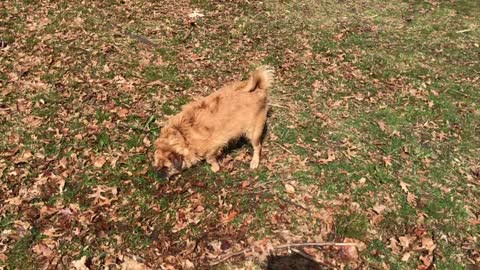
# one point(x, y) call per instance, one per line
point(393, 245)
point(474, 222)
point(146, 142)
point(24, 157)
point(349, 253)
point(387, 161)
point(382, 125)
point(99, 162)
point(362, 180)
point(411, 199)
point(131, 264)
point(10, 153)
point(229, 217)
point(195, 14)
point(406, 256)
point(330, 157)
point(244, 183)
point(428, 244)
point(3, 166)
point(122, 113)
point(187, 264)
point(42, 250)
point(406, 241)
point(78, 21)
point(80, 264)
point(427, 262)
point(289, 188)
point(404, 186)
point(379, 208)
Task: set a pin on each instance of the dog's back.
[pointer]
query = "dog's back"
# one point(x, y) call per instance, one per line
point(211, 122)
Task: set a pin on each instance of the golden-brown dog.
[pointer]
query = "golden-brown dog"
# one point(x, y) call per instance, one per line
point(204, 127)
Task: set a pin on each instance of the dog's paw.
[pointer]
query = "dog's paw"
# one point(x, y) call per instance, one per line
point(215, 167)
point(254, 163)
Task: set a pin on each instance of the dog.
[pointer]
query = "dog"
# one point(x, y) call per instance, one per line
point(205, 127)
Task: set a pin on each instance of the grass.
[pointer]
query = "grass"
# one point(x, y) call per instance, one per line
point(390, 89)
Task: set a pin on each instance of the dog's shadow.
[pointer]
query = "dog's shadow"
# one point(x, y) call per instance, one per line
point(292, 262)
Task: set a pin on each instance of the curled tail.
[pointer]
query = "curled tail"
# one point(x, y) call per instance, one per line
point(262, 78)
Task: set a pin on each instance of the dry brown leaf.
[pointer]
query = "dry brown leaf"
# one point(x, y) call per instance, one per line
point(42, 250)
point(229, 217)
point(80, 264)
point(146, 142)
point(393, 245)
point(289, 188)
point(99, 162)
point(406, 256)
point(131, 264)
point(406, 241)
point(381, 124)
point(245, 184)
point(387, 161)
point(122, 113)
point(63, 162)
point(427, 262)
point(3, 166)
point(330, 157)
point(379, 208)
point(411, 199)
point(24, 157)
point(187, 264)
point(404, 186)
point(428, 244)
point(349, 253)
point(78, 21)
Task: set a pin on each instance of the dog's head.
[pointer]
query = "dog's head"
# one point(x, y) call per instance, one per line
point(167, 162)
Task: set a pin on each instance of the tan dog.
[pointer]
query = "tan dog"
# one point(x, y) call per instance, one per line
point(204, 127)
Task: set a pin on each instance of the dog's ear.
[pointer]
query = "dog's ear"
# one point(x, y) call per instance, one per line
point(177, 160)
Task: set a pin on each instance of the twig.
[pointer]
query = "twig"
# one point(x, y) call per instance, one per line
point(278, 105)
point(132, 127)
point(464, 31)
point(285, 149)
point(289, 246)
point(294, 203)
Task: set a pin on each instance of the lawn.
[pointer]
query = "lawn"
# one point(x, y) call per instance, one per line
point(373, 135)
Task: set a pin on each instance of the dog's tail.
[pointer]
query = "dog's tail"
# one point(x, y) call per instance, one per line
point(262, 78)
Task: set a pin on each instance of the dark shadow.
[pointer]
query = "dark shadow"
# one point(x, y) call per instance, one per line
point(242, 141)
point(292, 262)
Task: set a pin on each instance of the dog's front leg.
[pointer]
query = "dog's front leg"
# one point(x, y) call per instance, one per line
point(212, 160)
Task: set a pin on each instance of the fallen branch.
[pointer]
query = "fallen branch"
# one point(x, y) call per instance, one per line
point(286, 246)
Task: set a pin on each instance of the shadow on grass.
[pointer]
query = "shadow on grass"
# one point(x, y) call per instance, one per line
point(291, 262)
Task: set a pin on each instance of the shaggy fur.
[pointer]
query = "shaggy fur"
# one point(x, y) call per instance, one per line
point(206, 126)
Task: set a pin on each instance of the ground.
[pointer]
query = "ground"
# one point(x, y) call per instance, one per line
point(373, 134)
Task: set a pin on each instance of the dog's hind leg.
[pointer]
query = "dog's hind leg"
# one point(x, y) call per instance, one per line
point(255, 137)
